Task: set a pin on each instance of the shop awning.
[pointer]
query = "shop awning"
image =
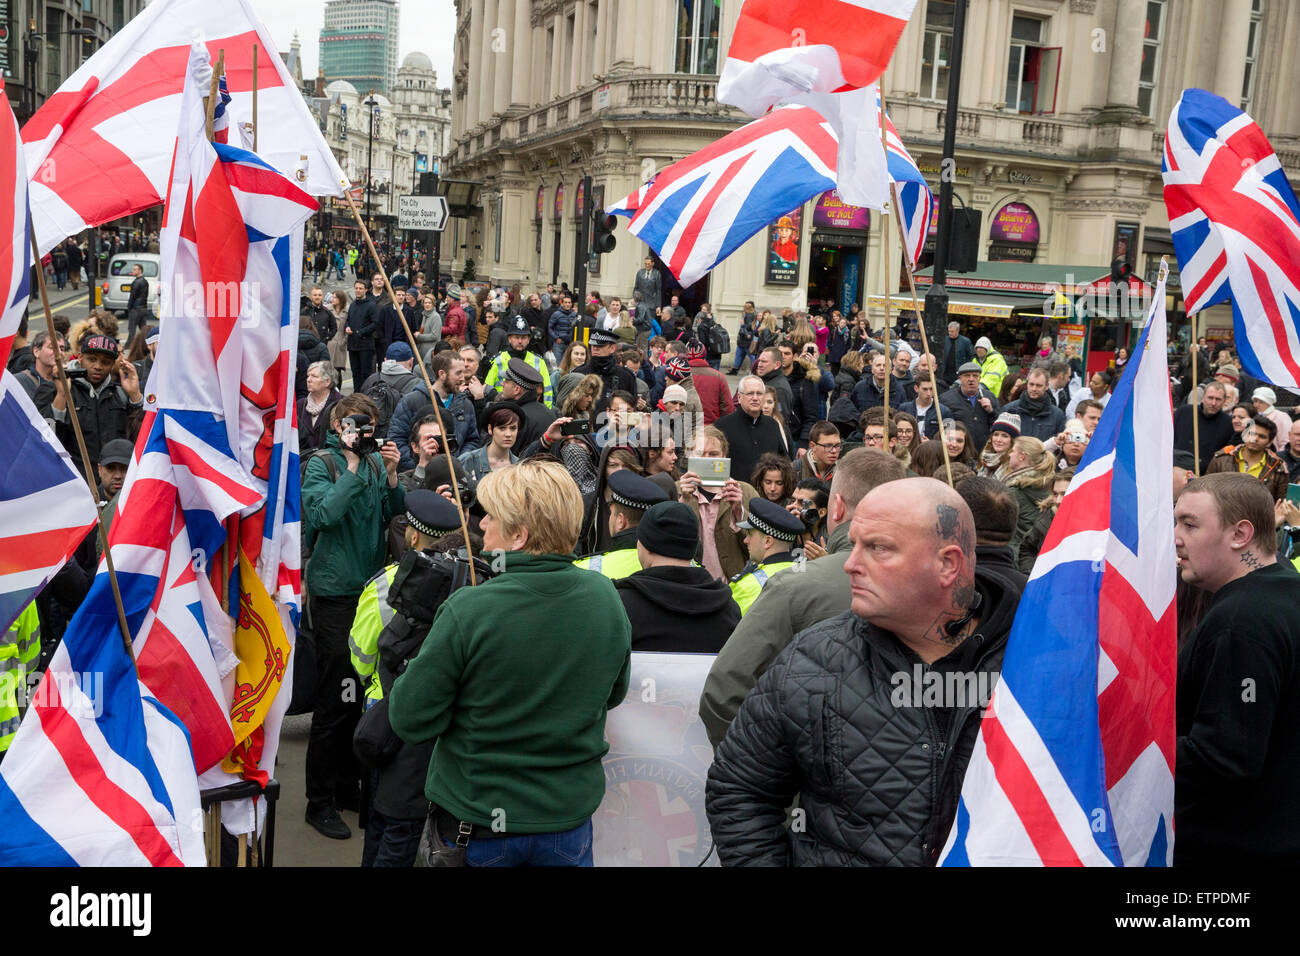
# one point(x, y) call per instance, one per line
point(994, 306)
point(1020, 279)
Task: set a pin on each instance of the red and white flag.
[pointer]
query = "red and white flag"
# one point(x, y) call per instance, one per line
point(781, 49)
point(827, 54)
point(101, 146)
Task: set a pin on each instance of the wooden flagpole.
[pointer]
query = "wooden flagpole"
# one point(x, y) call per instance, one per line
point(433, 395)
point(60, 376)
point(213, 90)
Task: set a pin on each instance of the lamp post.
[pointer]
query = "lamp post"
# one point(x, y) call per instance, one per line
point(936, 298)
point(32, 58)
point(370, 145)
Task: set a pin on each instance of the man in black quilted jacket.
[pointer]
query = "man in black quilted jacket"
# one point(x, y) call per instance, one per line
point(869, 718)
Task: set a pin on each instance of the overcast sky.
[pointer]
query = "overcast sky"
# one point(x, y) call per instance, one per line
point(427, 25)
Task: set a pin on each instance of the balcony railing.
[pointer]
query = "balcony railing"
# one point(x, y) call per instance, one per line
point(1042, 134)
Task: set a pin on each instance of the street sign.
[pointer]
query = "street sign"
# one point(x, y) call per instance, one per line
point(424, 213)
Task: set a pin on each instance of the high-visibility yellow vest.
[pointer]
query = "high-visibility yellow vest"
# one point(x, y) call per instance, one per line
point(20, 649)
point(373, 615)
point(498, 371)
point(747, 585)
point(613, 564)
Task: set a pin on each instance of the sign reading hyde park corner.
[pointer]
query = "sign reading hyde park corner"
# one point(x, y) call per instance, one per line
point(422, 213)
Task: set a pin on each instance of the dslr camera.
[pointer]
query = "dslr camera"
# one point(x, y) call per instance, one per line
point(808, 515)
point(359, 435)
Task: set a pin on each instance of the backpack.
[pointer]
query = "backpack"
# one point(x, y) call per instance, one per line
point(385, 396)
point(719, 339)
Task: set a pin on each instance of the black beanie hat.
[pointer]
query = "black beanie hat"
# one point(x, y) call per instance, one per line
point(669, 529)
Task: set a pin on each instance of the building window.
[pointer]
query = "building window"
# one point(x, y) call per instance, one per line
point(1252, 54)
point(1032, 68)
point(697, 36)
point(1152, 38)
point(938, 44)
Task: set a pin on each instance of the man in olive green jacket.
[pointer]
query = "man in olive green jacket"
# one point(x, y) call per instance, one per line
point(795, 601)
point(347, 503)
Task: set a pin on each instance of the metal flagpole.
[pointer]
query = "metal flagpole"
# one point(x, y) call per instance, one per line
point(1195, 352)
point(925, 339)
point(433, 395)
point(255, 97)
point(884, 253)
point(71, 410)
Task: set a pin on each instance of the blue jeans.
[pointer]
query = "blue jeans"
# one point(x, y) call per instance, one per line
point(390, 841)
point(739, 357)
point(570, 848)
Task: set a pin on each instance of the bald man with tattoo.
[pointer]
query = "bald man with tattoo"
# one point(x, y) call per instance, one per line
point(869, 718)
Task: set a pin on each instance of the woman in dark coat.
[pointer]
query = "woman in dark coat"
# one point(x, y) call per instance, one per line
point(807, 403)
point(315, 407)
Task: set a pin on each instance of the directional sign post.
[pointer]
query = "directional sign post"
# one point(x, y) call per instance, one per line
point(424, 213)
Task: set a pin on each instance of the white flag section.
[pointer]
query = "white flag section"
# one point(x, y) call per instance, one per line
point(656, 768)
point(101, 146)
point(861, 172)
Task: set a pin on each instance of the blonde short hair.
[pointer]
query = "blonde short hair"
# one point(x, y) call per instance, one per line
point(537, 495)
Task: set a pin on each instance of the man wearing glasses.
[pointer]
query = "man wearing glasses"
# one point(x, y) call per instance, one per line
point(823, 452)
point(748, 431)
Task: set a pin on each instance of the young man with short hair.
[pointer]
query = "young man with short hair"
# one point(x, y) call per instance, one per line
point(824, 446)
point(1255, 456)
point(1237, 767)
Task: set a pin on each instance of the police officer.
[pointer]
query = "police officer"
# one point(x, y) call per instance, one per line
point(518, 335)
point(20, 652)
point(629, 497)
point(385, 624)
point(770, 531)
point(523, 385)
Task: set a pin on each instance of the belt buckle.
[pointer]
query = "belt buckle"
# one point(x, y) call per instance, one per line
point(463, 831)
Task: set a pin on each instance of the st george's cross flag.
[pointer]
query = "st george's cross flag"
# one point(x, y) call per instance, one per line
point(700, 209)
point(94, 150)
point(784, 48)
point(45, 507)
point(827, 54)
point(1074, 763)
point(1236, 229)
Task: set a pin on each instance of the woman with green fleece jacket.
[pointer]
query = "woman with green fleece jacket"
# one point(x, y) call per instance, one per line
point(514, 695)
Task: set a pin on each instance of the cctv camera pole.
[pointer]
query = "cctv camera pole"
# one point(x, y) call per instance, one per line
point(936, 298)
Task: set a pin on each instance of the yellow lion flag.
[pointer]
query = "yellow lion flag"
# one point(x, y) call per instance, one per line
point(263, 651)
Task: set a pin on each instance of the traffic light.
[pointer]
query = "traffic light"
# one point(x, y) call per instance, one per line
point(602, 231)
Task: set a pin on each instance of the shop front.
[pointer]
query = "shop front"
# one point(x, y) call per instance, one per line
point(838, 257)
point(1015, 304)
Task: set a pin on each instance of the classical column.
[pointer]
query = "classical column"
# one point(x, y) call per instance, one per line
point(487, 62)
point(503, 45)
point(626, 35)
point(581, 41)
point(1230, 65)
point(1126, 55)
point(476, 65)
point(521, 57)
point(557, 53)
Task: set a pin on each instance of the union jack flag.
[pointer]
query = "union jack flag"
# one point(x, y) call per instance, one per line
point(699, 210)
point(1236, 230)
point(915, 201)
point(1074, 760)
point(212, 487)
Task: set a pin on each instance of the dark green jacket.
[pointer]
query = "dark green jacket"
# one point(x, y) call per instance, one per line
point(348, 517)
point(516, 695)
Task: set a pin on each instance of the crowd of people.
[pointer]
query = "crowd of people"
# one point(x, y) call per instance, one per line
point(842, 511)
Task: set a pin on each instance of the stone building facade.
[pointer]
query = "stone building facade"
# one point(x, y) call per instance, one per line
point(1063, 105)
